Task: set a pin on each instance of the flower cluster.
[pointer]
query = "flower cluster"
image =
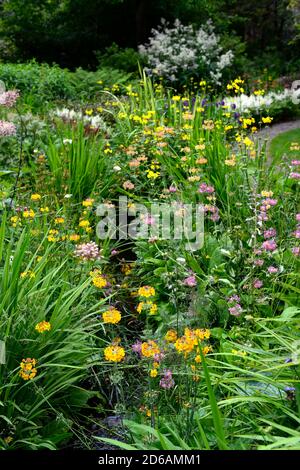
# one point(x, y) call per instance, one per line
point(42, 326)
point(27, 369)
point(180, 51)
point(87, 251)
point(112, 316)
point(114, 353)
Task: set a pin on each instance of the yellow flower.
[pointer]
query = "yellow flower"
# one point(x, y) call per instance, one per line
point(44, 209)
point(149, 306)
point(267, 119)
point(114, 353)
point(111, 316)
point(43, 326)
point(265, 193)
point(74, 237)
point(28, 214)
point(153, 373)
point(89, 112)
point(84, 223)
point(35, 197)
point(184, 345)
point(29, 274)
point(88, 202)
point(259, 92)
point(59, 220)
point(239, 353)
point(149, 348)
point(8, 439)
point(99, 281)
point(231, 161)
point(146, 291)
point(176, 98)
point(248, 142)
point(28, 370)
point(152, 174)
point(171, 336)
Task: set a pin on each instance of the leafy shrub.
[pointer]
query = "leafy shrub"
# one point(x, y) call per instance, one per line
point(87, 83)
point(179, 52)
point(38, 83)
point(122, 59)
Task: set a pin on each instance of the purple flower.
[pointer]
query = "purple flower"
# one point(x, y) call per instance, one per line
point(215, 216)
point(269, 245)
point(137, 347)
point(257, 284)
point(167, 381)
point(234, 298)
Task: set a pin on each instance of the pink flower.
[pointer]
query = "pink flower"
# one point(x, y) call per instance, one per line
point(262, 216)
point(7, 129)
point(215, 217)
point(190, 281)
point(137, 347)
point(257, 284)
point(297, 233)
point(9, 98)
point(172, 189)
point(205, 189)
point(257, 251)
point(87, 251)
point(272, 270)
point(271, 232)
point(269, 202)
point(296, 250)
point(128, 185)
point(294, 175)
point(298, 217)
point(149, 220)
point(236, 310)
point(258, 262)
point(114, 252)
point(269, 245)
point(295, 162)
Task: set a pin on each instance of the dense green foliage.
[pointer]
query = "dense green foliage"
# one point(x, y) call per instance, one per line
point(69, 32)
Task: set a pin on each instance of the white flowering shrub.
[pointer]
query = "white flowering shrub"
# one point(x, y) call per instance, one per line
point(257, 104)
point(179, 52)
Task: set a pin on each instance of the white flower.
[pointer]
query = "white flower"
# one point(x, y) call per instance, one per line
point(178, 51)
point(117, 168)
